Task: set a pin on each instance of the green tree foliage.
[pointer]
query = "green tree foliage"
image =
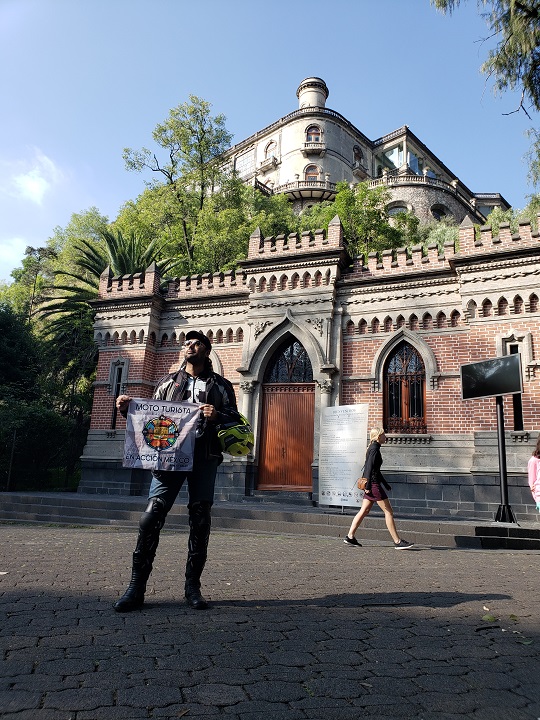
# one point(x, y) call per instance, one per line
point(192, 169)
point(439, 233)
point(532, 211)
point(221, 234)
point(66, 316)
point(85, 226)
point(31, 280)
point(407, 225)
point(514, 64)
point(514, 216)
point(362, 211)
point(20, 356)
point(37, 438)
point(498, 216)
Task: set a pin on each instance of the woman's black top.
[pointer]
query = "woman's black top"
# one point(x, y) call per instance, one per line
point(372, 468)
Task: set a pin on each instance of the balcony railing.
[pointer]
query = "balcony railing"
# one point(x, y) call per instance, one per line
point(268, 164)
point(311, 188)
point(392, 179)
point(314, 148)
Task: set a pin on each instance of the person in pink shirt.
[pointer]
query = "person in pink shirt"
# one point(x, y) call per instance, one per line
point(534, 474)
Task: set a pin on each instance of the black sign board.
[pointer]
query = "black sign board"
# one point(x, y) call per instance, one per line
point(489, 378)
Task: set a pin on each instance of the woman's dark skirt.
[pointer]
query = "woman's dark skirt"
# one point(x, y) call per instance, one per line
point(377, 493)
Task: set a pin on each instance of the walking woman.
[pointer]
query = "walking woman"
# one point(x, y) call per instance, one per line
point(375, 493)
point(534, 474)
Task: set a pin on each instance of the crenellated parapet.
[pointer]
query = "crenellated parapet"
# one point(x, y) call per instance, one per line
point(206, 284)
point(472, 241)
point(134, 285)
point(295, 243)
point(404, 260)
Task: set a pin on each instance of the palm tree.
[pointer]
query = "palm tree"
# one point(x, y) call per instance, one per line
point(67, 314)
point(123, 255)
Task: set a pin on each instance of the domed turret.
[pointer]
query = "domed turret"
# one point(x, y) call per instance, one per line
point(312, 92)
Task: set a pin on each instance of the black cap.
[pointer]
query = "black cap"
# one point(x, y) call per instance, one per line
point(196, 335)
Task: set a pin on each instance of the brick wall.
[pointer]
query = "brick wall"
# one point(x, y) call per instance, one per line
point(458, 306)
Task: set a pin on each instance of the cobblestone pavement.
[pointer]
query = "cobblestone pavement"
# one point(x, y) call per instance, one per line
point(300, 628)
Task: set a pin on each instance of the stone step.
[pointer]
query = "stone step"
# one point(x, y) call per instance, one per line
point(79, 509)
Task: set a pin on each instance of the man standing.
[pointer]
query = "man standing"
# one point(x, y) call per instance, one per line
point(194, 382)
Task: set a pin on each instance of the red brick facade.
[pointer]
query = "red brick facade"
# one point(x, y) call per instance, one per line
point(470, 303)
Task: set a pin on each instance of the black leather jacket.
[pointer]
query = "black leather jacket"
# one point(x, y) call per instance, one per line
point(372, 468)
point(219, 393)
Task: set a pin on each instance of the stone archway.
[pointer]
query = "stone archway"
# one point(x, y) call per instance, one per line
point(287, 417)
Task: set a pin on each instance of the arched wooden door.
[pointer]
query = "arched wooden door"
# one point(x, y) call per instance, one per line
point(288, 409)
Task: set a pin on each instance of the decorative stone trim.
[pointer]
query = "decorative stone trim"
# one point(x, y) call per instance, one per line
point(326, 386)
point(317, 324)
point(519, 436)
point(531, 370)
point(409, 439)
point(247, 386)
point(261, 326)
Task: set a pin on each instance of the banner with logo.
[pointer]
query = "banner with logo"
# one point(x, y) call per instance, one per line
point(160, 435)
point(342, 453)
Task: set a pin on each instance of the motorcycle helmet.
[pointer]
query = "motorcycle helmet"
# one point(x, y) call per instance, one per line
point(236, 438)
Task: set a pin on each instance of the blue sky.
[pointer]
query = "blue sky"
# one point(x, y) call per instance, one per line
point(82, 79)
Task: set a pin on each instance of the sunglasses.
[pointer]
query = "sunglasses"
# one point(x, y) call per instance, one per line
point(192, 343)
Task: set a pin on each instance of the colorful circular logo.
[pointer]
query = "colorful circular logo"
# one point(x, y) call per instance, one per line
point(160, 433)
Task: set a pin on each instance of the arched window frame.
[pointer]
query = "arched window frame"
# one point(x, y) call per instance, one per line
point(118, 377)
point(426, 353)
point(283, 365)
point(313, 134)
point(310, 175)
point(358, 156)
point(270, 150)
point(438, 210)
point(404, 393)
point(502, 306)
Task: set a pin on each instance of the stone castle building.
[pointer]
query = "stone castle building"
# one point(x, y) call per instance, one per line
point(306, 153)
point(301, 326)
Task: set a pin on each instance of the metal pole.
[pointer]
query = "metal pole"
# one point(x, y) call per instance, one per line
point(505, 512)
point(11, 459)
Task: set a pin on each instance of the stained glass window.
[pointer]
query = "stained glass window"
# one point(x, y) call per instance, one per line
point(289, 364)
point(404, 383)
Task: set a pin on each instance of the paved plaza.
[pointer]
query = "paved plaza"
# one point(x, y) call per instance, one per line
point(300, 628)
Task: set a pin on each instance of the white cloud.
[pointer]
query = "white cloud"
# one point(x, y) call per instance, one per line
point(11, 255)
point(32, 179)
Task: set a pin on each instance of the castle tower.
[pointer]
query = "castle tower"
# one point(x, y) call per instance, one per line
point(312, 92)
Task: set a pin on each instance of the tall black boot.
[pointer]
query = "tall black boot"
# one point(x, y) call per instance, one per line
point(150, 524)
point(199, 534)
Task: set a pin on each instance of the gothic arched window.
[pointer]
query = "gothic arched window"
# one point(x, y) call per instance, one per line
point(289, 364)
point(313, 134)
point(270, 150)
point(404, 391)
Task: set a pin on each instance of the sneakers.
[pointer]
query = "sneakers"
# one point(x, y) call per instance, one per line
point(403, 545)
point(351, 541)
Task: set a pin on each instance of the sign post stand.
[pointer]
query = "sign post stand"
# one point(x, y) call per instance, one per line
point(495, 378)
point(505, 513)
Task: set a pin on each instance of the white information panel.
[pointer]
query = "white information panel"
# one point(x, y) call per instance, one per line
point(342, 453)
